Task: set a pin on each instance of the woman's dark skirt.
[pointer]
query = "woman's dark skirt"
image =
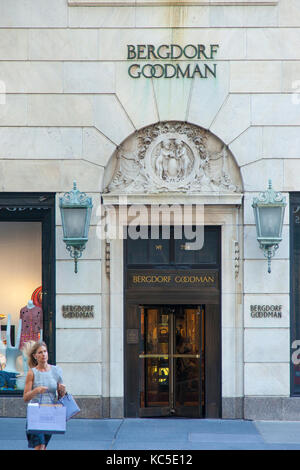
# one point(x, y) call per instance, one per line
point(35, 440)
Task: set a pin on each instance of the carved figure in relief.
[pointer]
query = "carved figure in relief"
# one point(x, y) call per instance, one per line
point(183, 157)
point(162, 161)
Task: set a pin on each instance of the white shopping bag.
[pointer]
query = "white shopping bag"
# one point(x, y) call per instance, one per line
point(47, 419)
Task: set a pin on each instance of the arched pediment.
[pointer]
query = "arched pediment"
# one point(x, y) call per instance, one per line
point(172, 158)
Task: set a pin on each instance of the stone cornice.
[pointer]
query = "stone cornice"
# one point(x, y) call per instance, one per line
point(90, 3)
point(234, 199)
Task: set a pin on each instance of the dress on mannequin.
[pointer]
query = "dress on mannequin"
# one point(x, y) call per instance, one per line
point(32, 323)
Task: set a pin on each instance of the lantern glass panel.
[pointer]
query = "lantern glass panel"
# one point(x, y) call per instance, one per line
point(75, 222)
point(270, 221)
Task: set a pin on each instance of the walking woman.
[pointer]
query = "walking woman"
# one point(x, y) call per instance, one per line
point(43, 382)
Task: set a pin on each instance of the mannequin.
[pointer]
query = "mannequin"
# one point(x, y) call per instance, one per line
point(32, 322)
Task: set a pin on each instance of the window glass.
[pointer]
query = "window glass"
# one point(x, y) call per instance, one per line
point(21, 315)
point(185, 252)
point(166, 248)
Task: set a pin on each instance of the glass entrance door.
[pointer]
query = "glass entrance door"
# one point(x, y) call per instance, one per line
point(172, 361)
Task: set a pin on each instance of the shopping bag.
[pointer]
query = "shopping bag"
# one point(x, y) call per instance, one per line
point(47, 418)
point(70, 405)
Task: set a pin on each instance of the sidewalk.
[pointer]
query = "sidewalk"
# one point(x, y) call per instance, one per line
point(160, 434)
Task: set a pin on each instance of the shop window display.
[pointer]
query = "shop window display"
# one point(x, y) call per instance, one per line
point(21, 317)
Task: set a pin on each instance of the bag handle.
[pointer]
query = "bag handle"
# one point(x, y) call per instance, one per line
point(41, 397)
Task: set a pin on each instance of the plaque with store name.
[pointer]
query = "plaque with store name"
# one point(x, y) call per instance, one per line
point(132, 336)
point(195, 279)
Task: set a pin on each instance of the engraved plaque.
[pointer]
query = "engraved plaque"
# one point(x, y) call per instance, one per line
point(132, 336)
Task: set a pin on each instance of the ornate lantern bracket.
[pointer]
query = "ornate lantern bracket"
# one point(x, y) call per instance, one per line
point(269, 209)
point(75, 208)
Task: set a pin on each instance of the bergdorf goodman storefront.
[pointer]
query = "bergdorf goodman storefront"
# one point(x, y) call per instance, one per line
point(172, 118)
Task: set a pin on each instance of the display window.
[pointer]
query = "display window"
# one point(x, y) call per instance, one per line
point(26, 284)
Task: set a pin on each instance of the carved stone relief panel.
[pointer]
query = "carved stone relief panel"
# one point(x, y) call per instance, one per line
point(172, 157)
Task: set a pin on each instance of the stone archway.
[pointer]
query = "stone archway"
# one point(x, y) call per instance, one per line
point(165, 163)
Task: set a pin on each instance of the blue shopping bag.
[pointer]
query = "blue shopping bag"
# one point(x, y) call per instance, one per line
point(70, 405)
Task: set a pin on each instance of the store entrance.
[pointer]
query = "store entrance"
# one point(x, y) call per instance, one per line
point(172, 360)
point(172, 327)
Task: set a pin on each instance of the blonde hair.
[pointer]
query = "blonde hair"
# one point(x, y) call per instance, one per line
point(29, 349)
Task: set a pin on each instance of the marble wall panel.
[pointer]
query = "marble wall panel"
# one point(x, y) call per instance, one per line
point(96, 147)
point(172, 16)
point(83, 379)
point(266, 345)
point(243, 16)
point(291, 169)
point(208, 95)
point(17, 175)
point(60, 110)
point(273, 43)
point(255, 76)
point(103, 17)
point(267, 379)
point(87, 175)
point(229, 317)
point(89, 77)
point(257, 280)
point(257, 174)
point(132, 92)
point(86, 281)
point(116, 379)
point(233, 118)
point(13, 111)
point(32, 77)
point(232, 362)
point(275, 109)
point(25, 13)
point(288, 13)
point(291, 78)
point(231, 41)
point(14, 44)
point(119, 126)
point(40, 142)
point(165, 90)
point(248, 146)
point(281, 142)
point(74, 345)
point(63, 44)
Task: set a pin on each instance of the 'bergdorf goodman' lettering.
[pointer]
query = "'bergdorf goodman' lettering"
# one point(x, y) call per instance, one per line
point(172, 52)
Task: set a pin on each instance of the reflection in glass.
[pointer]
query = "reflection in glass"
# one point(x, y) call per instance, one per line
point(20, 276)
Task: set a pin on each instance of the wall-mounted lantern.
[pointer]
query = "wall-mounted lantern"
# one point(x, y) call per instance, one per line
point(76, 209)
point(268, 210)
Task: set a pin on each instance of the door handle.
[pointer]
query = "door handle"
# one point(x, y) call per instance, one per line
point(145, 356)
